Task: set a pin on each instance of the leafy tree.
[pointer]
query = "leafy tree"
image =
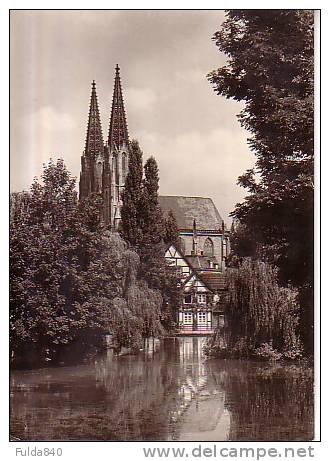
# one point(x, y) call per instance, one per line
point(171, 234)
point(270, 69)
point(157, 229)
point(153, 221)
point(259, 310)
point(146, 229)
point(131, 219)
point(71, 282)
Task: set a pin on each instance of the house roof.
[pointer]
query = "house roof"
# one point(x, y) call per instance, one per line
point(186, 209)
point(215, 281)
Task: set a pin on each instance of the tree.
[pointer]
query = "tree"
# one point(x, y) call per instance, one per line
point(157, 230)
point(153, 221)
point(171, 235)
point(131, 219)
point(71, 281)
point(270, 69)
point(258, 310)
point(148, 232)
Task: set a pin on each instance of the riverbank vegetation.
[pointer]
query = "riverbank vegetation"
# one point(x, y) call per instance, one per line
point(261, 317)
point(270, 68)
point(73, 281)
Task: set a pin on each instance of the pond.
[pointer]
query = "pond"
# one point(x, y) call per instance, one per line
point(175, 393)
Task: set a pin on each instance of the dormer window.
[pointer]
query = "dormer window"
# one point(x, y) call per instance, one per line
point(208, 247)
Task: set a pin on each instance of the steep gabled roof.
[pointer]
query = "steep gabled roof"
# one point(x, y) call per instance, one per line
point(215, 281)
point(186, 209)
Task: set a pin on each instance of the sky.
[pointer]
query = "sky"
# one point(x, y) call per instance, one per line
point(171, 108)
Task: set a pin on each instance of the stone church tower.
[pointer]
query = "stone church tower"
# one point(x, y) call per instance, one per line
point(104, 165)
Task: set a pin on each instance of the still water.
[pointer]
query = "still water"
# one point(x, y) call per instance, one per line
point(172, 394)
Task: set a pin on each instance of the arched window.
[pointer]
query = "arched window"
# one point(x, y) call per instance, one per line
point(208, 247)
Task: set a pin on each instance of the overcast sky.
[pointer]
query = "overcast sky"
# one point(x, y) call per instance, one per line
point(171, 108)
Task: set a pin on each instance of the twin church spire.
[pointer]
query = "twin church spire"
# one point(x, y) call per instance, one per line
point(104, 165)
point(118, 132)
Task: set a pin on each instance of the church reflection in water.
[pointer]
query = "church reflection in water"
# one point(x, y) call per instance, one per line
point(172, 394)
point(201, 414)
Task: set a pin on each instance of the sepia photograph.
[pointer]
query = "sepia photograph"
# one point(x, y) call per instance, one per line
point(162, 225)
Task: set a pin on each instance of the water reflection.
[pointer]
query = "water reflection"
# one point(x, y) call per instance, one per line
point(174, 394)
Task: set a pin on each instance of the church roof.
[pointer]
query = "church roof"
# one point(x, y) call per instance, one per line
point(186, 209)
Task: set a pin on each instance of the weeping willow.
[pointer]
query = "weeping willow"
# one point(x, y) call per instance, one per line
point(258, 310)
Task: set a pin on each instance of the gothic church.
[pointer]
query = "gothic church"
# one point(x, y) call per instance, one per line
point(104, 165)
point(201, 254)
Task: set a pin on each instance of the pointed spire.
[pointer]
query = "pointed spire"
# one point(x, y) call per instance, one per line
point(118, 133)
point(94, 137)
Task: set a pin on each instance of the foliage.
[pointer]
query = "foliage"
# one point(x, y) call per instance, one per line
point(131, 219)
point(266, 352)
point(171, 236)
point(261, 317)
point(72, 282)
point(146, 229)
point(270, 68)
point(152, 221)
point(258, 309)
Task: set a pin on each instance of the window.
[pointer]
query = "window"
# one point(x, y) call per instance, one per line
point(208, 247)
point(187, 299)
point(201, 299)
point(124, 164)
point(187, 318)
point(201, 318)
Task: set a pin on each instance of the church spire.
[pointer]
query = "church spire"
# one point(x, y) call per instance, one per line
point(118, 133)
point(94, 137)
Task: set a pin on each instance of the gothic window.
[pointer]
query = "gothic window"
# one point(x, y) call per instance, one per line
point(208, 247)
point(124, 164)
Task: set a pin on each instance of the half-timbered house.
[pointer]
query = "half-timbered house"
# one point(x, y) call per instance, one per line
point(200, 258)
